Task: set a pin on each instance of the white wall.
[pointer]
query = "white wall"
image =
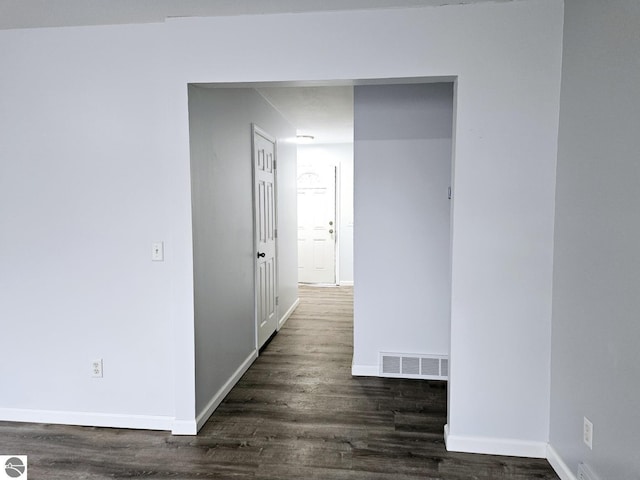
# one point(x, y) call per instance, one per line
point(340, 155)
point(94, 142)
point(402, 149)
point(224, 256)
point(595, 362)
point(87, 183)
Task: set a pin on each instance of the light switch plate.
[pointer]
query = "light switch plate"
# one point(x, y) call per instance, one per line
point(157, 251)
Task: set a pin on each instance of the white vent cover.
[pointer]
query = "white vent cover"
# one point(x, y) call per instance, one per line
point(585, 473)
point(408, 365)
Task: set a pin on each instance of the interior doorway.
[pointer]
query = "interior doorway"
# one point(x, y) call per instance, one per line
point(391, 203)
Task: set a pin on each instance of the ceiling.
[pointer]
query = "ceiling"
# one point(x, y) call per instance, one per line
point(322, 109)
point(58, 13)
point(326, 113)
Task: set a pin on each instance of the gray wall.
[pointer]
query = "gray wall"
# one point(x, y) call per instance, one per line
point(402, 169)
point(220, 136)
point(595, 363)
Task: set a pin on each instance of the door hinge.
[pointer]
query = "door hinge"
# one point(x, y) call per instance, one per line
point(449, 193)
point(275, 233)
point(275, 164)
point(277, 300)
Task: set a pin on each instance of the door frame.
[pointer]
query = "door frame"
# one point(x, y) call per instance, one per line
point(255, 129)
point(186, 402)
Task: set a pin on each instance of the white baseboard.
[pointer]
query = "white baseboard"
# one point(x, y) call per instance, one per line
point(184, 427)
point(346, 283)
point(494, 446)
point(87, 419)
point(561, 468)
point(365, 370)
point(202, 418)
point(288, 313)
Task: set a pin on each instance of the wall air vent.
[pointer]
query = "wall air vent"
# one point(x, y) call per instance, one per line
point(391, 364)
point(408, 365)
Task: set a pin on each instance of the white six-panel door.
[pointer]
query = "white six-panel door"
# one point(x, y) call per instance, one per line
point(317, 223)
point(264, 167)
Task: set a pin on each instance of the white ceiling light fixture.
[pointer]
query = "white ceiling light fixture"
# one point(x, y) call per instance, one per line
point(305, 139)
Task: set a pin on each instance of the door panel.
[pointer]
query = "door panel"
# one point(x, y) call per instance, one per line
point(264, 153)
point(316, 223)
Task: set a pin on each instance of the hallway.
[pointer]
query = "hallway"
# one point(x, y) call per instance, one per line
point(296, 414)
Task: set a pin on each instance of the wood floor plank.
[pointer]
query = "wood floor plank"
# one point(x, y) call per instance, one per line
point(296, 414)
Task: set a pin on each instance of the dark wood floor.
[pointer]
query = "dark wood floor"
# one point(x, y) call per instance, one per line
point(296, 414)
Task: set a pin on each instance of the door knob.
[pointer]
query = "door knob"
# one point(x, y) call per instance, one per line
point(330, 223)
point(261, 254)
point(331, 231)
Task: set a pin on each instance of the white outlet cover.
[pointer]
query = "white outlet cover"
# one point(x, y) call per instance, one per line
point(96, 368)
point(587, 432)
point(585, 473)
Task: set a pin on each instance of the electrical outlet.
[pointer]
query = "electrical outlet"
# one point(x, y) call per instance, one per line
point(587, 433)
point(585, 473)
point(96, 368)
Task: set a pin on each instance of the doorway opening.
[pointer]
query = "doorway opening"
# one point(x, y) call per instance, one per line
point(389, 186)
